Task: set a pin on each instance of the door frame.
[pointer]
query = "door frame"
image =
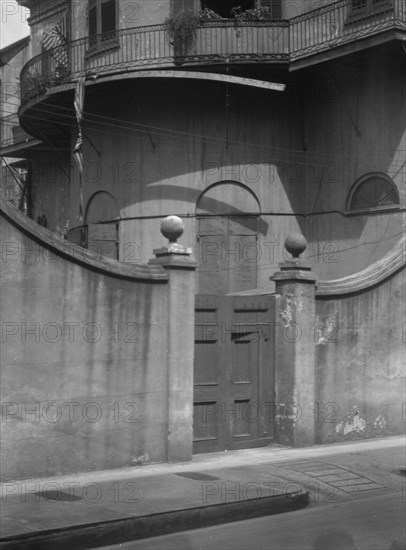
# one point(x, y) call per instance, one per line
point(223, 384)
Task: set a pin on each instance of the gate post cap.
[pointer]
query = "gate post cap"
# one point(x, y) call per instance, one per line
point(295, 244)
point(172, 227)
point(294, 269)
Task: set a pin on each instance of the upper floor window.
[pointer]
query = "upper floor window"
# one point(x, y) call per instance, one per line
point(373, 192)
point(275, 7)
point(369, 7)
point(182, 5)
point(224, 7)
point(102, 22)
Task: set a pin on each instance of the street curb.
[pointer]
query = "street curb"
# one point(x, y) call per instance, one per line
point(83, 537)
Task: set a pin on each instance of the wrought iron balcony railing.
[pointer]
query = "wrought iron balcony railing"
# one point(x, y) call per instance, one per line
point(11, 132)
point(225, 41)
point(343, 22)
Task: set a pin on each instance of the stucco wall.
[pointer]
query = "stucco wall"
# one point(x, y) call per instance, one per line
point(84, 380)
point(44, 16)
point(353, 123)
point(163, 143)
point(185, 152)
point(10, 80)
point(50, 191)
point(139, 13)
point(129, 15)
point(360, 363)
point(157, 145)
point(146, 12)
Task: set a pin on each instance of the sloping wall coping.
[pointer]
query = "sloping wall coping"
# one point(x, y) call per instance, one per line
point(368, 277)
point(77, 254)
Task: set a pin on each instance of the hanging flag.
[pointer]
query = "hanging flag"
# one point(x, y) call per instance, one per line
point(78, 154)
point(79, 100)
point(78, 103)
point(56, 44)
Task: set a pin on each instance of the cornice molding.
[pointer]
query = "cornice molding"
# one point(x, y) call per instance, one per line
point(41, 15)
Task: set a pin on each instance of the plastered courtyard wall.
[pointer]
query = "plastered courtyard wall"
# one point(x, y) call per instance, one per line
point(86, 362)
point(360, 362)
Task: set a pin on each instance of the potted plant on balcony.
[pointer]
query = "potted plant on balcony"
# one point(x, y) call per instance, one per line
point(262, 13)
point(182, 31)
point(208, 15)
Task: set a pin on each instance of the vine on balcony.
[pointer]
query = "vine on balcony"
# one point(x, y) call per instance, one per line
point(182, 29)
point(263, 13)
point(38, 81)
point(207, 16)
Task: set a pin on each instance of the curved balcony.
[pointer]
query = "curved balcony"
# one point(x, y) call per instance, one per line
point(12, 136)
point(358, 24)
point(150, 47)
point(320, 32)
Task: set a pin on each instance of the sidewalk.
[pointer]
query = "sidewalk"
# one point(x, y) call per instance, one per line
point(105, 507)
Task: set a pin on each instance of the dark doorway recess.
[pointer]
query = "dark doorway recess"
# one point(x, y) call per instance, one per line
point(224, 7)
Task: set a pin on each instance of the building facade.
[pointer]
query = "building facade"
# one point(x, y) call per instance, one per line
point(158, 107)
point(14, 181)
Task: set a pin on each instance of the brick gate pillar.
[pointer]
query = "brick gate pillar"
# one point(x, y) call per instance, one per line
point(295, 348)
point(180, 337)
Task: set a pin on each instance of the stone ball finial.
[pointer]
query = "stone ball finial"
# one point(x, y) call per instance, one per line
point(295, 244)
point(172, 227)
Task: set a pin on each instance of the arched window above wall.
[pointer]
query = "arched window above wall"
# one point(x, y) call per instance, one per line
point(228, 222)
point(102, 224)
point(373, 192)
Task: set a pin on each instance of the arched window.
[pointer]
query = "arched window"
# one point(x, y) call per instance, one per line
point(228, 219)
point(373, 192)
point(102, 220)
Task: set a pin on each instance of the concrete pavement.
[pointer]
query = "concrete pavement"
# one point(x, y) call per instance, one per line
point(99, 508)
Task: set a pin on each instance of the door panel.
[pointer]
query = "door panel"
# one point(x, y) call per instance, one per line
point(208, 385)
point(234, 372)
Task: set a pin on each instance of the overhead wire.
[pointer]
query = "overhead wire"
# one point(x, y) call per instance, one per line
point(219, 141)
point(162, 131)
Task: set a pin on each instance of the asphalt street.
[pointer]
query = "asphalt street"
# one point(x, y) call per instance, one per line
point(376, 523)
point(370, 517)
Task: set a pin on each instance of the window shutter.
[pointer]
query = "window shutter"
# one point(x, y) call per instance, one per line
point(382, 3)
point(64, 25)
point(359, 5)
point(275, 6)
point(182, 5)
point(108, 16)
point(92, 18)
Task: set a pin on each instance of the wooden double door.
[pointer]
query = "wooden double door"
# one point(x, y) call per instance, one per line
point(233, 372)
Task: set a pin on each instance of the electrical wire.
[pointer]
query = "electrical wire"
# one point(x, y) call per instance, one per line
point(219, 141)
point(162, 131)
